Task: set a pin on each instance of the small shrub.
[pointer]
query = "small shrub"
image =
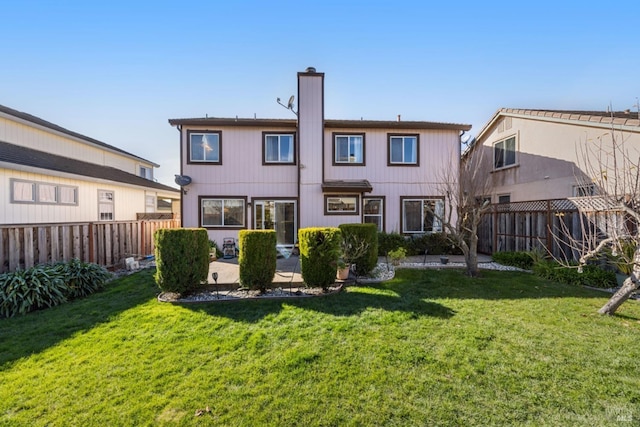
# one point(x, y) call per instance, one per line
point(517, 259)
point(390, 241)
point(360, 246)
point(319, 254)
point(257, 258)
point(182, 259)
point(397, 255)
point(82, 278)
point(591, 275)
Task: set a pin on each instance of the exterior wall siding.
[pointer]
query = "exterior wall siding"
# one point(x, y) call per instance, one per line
point(27, 136)
point(548, 157)
point(127, 201)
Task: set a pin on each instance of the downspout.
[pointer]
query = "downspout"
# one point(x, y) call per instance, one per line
point(179, 129)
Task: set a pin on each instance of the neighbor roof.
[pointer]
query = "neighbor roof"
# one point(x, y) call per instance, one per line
point(40, 122)
point(17, 154)
point(627, 119)
point(292, 123)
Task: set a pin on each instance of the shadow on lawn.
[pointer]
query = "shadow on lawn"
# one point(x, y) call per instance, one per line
point(349, 302)
point(34, 332)
point(491, 285)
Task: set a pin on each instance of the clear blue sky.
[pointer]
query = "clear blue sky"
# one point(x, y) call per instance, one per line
point(118, 70)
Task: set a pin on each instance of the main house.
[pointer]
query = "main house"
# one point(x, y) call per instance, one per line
point(286, 174)
point(49, 174)
point(539, 154)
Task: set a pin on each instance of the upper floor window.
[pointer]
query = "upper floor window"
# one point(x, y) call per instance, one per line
point(146, 172)
point(504, 153)
point(584, 190)
point(205, 147)
point(278, 148)
point(348, 149)
point(403, 150)
point(222, 212)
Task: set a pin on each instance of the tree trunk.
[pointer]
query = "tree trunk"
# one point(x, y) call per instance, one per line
point(630, 284)
point(623, 294)
point(471, 256)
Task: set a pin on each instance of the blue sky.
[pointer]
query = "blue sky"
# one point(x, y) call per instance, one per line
point(118, 70)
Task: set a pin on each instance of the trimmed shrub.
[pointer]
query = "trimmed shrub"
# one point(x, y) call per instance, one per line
point(390, 241)
point(319, 254)
point(257, 258)
point(182, 259)
point(360, 246)
point(515, 259)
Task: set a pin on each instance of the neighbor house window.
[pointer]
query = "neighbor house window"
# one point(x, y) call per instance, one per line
point(584, 190)
point(504, 153)
point(504, 198)
point(42, 193)
point(222, 213)
point(105, 205)
point(373, 211)
point(146, 172)
point(341, 205)
point(279, 148)
point(348, 149)
point(403, 150)
point(205, 147)
point(422, 215)
point(150, 204)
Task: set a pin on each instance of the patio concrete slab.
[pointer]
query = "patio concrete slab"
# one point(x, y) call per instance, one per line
point(288, 269)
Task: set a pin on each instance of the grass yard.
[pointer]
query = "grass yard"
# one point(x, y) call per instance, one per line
point(427, 348)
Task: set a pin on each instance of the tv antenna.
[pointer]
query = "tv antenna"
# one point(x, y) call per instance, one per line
point(289, 105)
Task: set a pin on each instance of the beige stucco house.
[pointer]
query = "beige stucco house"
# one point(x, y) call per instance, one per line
point(286, 174)
point(538, 154)
point(49, 174)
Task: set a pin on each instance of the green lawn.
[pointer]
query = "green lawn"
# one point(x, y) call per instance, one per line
point(428, 348)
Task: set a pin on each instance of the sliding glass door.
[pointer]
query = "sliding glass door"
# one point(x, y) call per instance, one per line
point(278, 215)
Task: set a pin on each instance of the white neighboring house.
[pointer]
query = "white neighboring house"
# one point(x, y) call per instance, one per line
point(49, 174)
point(286, 174)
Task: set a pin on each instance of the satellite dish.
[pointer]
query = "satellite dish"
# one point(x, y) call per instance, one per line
point(183, 180)
point(468, 139)
point(290, 103)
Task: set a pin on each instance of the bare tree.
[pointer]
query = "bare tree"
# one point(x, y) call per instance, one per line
point(610, 169)
point(467, 197)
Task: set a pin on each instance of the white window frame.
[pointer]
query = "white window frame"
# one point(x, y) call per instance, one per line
point(106, 205)
point(207, 138)
point(291, 152)
point(583, 190)
point(353, 142)
point(223, 200)
point(150, 204)
point(415, 151)
point(438, 208)
point(501, 147)
point(38, 194)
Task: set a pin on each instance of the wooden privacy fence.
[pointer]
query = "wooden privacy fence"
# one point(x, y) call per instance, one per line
point(103, 243)
point(524, 226)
